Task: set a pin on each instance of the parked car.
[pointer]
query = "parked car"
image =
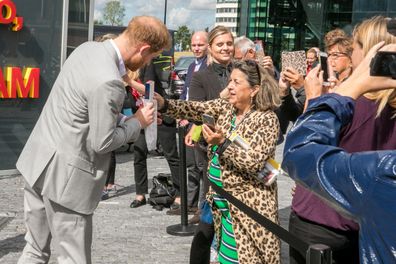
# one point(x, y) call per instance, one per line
point(178, 76)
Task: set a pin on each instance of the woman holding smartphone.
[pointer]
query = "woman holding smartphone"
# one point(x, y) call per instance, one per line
point(248, 112)
point(312, 219)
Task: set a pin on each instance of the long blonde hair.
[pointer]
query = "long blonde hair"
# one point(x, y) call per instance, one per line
point(367, 34)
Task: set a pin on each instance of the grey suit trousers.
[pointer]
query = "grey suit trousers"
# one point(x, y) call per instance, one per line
point(45, 220)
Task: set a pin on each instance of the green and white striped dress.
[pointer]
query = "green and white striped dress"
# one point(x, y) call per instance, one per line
point(227, 251)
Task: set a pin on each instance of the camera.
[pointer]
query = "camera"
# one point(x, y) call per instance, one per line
point(384, 64)
point(324, 66)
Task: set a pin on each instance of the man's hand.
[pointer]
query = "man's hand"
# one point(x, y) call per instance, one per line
point(268, 65)
point(145, 115)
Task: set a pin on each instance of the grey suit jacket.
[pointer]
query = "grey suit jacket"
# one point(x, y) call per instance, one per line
point(70, 143)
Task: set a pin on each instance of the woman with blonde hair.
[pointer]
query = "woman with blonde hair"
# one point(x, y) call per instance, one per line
point(365, 36)
point(205, 85)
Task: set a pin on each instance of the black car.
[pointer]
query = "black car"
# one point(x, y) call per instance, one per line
point(178, 76)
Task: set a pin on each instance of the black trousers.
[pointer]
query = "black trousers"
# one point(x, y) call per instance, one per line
point(200, 246)
point(111, 171)
point(167, 138)
point(197, 174)
point(344, 244)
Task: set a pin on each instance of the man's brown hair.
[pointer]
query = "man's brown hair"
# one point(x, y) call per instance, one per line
point(149, 30)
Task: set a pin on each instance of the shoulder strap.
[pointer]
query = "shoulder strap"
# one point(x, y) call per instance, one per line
point(283, 234)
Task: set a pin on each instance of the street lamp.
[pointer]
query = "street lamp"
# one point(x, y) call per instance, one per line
point(166, 4)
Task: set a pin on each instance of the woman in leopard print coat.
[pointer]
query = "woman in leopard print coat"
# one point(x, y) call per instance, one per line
point(253, 95)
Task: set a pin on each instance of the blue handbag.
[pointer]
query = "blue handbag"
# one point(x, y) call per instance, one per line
point(206, 213)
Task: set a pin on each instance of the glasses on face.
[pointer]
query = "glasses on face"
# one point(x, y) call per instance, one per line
point(255, 64)
point(336, 55)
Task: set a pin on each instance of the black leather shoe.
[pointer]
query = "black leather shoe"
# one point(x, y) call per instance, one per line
point(138, 203)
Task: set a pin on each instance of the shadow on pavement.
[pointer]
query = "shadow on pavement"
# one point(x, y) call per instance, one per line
point(123, 190)
point(12, 244)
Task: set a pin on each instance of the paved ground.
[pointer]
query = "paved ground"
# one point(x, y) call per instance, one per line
point(121, 234)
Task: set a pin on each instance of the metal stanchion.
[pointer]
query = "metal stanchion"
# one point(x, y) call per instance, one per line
point(319, 254)
point(183, 229)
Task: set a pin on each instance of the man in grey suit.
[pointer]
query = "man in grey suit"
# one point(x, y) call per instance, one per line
point(66, 157)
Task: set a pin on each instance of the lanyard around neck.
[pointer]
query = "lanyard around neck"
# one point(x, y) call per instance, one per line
point(233, 120)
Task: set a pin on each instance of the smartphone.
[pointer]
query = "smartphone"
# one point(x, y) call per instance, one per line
point(149, 90)
point(258, 46)
point(384, 64)
point(324, 66)
point(209, 121)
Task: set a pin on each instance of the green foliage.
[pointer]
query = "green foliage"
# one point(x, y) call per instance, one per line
point(183, 36)
point(114, 13)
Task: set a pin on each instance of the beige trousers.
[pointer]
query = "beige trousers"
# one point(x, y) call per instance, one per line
point(70, 232)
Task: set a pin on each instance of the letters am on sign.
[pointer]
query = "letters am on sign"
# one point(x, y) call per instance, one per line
point(8, 14)
point(17, 83)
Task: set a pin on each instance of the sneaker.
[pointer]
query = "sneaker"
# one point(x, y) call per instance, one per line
point(112, 190)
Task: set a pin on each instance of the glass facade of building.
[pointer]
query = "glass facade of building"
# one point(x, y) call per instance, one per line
point(40, 44)
point(301, 24)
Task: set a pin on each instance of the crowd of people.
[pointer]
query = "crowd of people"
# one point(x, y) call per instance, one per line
point(345, 186)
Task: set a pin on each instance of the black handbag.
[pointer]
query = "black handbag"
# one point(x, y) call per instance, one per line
point(163, 193)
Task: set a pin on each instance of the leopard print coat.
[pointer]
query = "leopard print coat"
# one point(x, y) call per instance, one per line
point(254, 243)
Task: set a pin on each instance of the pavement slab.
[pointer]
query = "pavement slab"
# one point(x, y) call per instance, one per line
point(120, 234)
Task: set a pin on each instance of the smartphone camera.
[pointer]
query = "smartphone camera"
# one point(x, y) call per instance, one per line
point(325, 67)
point(384, 64)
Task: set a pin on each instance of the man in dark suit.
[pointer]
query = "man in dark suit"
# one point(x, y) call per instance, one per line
point(199, 46)
point(67, 155)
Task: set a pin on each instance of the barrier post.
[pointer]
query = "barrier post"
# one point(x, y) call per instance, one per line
point(318, 254)
point(183, 229)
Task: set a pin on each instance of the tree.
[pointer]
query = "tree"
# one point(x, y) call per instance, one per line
point(114, 13)
point(183, 37)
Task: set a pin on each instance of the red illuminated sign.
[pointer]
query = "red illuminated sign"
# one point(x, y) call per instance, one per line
point(19, 84)
point(8, 15)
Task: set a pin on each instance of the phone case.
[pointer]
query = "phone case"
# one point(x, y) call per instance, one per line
point(296, 60)
point(208, 120)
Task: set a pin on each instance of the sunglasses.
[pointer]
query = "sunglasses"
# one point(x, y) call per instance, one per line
point(253, 63)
